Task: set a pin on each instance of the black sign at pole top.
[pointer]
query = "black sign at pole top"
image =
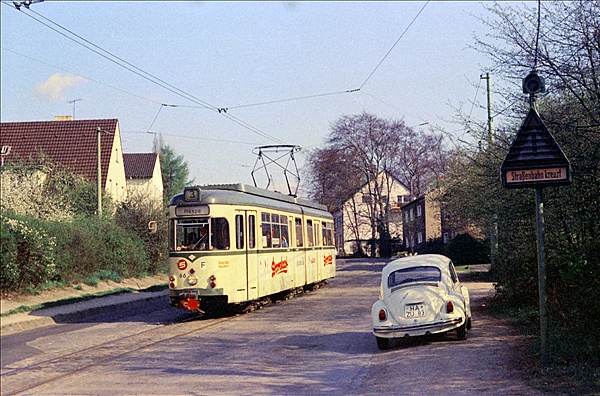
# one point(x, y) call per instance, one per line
point(534, 158)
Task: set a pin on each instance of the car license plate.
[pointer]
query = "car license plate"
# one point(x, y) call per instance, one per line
point(414, 311)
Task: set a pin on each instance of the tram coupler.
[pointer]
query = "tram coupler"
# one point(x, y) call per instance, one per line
point(190, 304)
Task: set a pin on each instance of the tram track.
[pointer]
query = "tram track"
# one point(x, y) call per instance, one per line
point(22, 380)
point(25, 379)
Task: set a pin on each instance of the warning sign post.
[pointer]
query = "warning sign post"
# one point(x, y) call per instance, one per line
point(535, 160)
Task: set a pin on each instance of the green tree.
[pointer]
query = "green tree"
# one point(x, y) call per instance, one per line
point(175, 172)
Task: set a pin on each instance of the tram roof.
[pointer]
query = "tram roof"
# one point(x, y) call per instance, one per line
point(243, 194)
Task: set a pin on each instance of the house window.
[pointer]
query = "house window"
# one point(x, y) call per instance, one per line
point(419, 211)
point(403, 198)
point(446, 237)
point(420, 237)
point(412, 213)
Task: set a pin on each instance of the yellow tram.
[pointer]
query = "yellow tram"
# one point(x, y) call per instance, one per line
point(235, 244)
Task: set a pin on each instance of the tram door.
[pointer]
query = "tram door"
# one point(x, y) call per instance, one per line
point(247, 238)
point(318, 249)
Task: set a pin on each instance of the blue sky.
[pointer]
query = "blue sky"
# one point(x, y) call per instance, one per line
point(240, 55)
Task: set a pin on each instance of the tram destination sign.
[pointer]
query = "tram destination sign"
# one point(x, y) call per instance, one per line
point(195, 210)
point(534, 158)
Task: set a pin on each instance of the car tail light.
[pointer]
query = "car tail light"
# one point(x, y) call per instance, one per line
point(449, 307)
point(382, 315)
point(213, 284)
point(172, 280)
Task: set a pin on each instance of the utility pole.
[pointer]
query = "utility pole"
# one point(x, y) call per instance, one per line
point(491, 135)
point(491, 140)
point(99, 171)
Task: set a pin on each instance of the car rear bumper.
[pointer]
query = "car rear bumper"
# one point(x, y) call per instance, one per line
point(417, 329)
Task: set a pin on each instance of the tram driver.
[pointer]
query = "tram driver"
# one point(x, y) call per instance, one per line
point(195, 242)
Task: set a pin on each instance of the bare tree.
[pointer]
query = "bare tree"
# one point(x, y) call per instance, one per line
point(420, 161)
point(566, 52)
point(364, 151)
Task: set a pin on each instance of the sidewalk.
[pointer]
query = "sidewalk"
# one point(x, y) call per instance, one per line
point(78, 303)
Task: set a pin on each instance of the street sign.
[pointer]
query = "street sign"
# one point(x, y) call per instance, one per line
point(534, 158)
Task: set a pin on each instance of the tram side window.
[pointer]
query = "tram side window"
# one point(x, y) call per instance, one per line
point(285, 237)
point(317, 229)
point(310, 233)
point(220, 233)
point(275, 230)
point(299, 233)
point(327, 234)
point(266, 230)
point(239, 231)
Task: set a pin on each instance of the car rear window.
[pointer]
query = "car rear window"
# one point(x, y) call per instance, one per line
point(414, 274)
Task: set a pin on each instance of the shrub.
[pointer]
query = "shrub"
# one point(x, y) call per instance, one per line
point(28, 253)
point(134, 214)
point(464, 250)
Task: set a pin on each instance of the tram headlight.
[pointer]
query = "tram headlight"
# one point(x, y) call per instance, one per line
point(192, 279)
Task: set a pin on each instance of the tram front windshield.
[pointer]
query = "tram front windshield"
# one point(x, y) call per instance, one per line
point(200, 234)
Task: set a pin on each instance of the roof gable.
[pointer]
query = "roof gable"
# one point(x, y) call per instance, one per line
point(139, 165)
point(365, 186)
point(72, 144)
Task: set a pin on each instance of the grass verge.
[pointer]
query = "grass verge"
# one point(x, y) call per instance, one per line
point(85, 297)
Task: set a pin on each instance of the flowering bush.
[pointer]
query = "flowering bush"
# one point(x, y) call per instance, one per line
point(28, 257)
point(23, 190)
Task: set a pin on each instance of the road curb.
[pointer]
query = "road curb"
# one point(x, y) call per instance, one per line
point(77, 312)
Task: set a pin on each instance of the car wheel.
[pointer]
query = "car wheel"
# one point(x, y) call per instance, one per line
point(383, 343)
point(461, 332)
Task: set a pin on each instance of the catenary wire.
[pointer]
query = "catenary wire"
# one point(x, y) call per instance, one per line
point(393, 46)
point(79, 75)
point(149, 77)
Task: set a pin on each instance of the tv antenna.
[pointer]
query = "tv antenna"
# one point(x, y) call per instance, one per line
point(74, 101)
point(280, 156)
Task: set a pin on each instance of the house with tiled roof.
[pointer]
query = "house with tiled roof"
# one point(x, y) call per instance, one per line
point(143, 174)
point(71, 143)
point(355, 221)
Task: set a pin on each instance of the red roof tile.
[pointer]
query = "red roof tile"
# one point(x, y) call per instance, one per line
point(139, 165)
point(72, 144)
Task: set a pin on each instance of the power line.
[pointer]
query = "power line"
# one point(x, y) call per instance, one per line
point(192, 137)
point(393, 46)
point(202, 104)
point(117, 60)
point(147, 76)
point(78, 75)
point(293, 99)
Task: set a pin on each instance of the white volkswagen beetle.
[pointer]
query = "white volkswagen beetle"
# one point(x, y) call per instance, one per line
point(420, 295)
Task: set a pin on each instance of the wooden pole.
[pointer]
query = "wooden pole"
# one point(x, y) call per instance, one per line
point(541, 259)
point(99, 171)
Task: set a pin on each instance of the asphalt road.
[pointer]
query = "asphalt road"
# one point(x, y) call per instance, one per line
point(316, 343)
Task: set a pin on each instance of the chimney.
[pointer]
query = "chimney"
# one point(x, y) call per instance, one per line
point(63, 118)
